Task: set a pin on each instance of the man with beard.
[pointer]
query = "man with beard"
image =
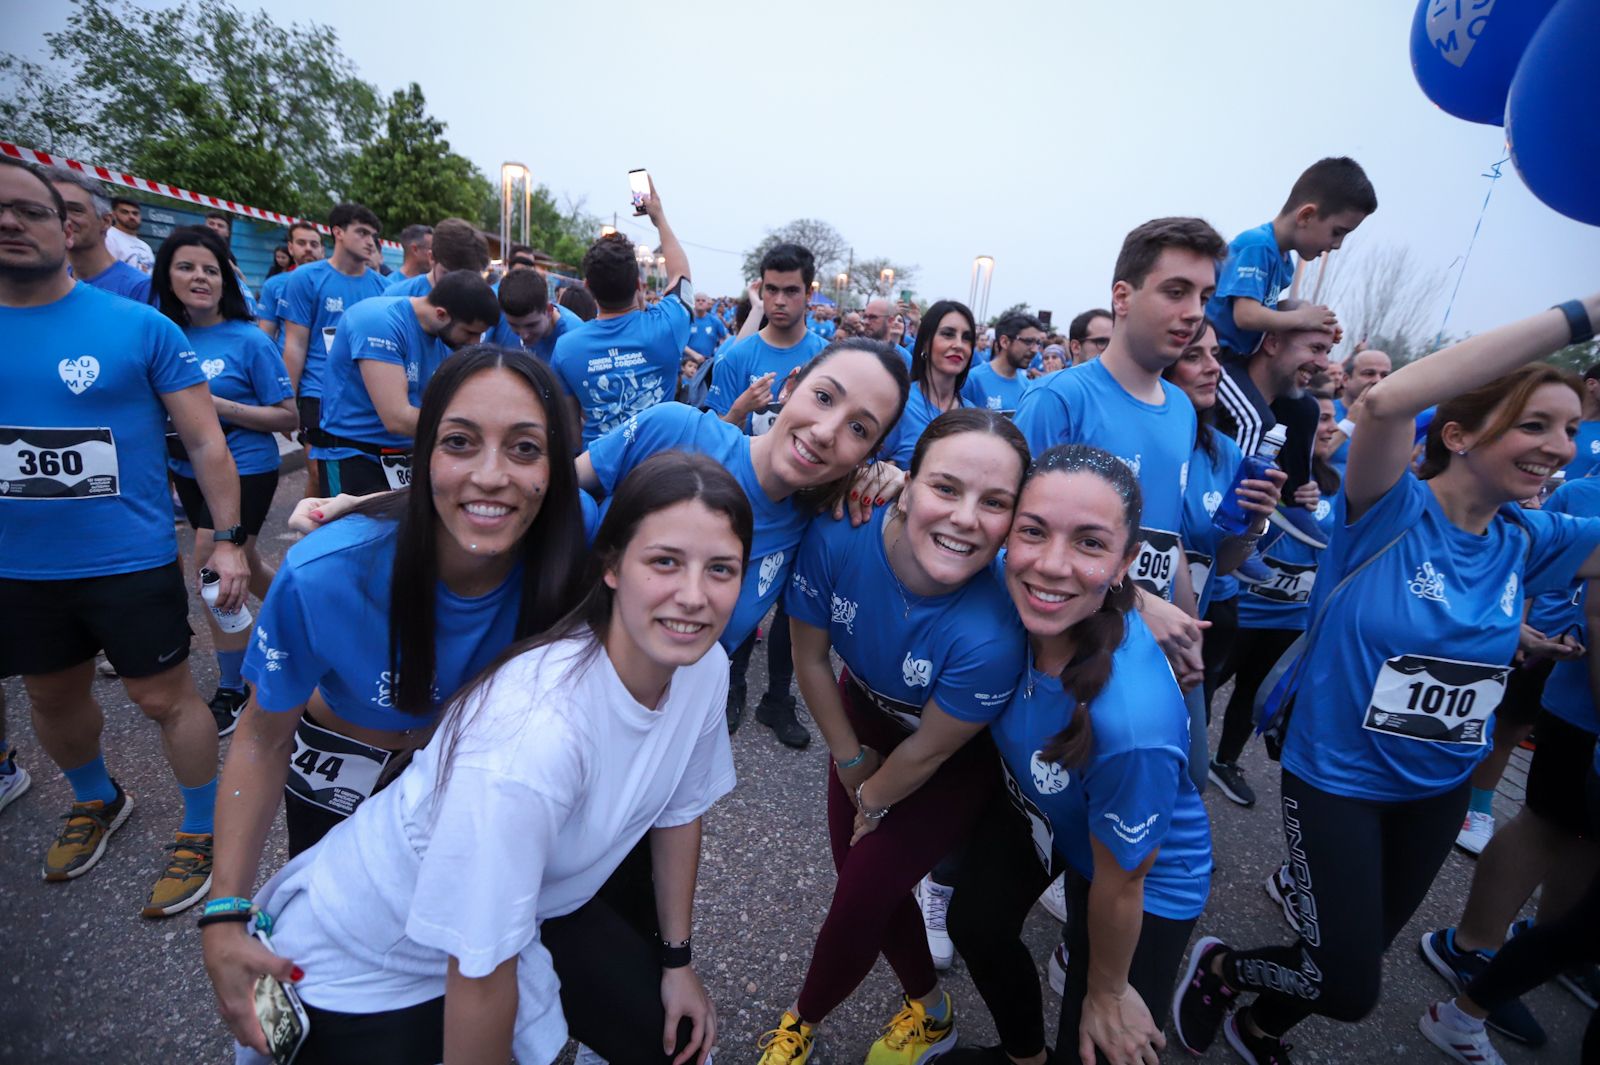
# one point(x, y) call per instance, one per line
point(998, 384)
point(305, 246)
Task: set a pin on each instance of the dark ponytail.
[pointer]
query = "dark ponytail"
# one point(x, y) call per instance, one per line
point(1097, 636)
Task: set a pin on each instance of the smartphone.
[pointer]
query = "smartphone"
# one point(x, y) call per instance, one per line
point(639, 189)
point(905, 295)
point(281, 1013)
point(1044, 318)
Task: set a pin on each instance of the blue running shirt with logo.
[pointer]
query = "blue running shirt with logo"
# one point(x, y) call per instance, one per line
point(1210, 477)
point(986, 388)
point(1085, 405)
point(618, 367)
point(267, 305)
point(240, 364)
point(1284, 602)
point(778, 525)
point(706, 334)
point(964, 649)
point(1587, 460)
point(1567, 693)
point(325, 627)
point(1399, 690)
point(744, 362)
point(401, 285)
point(317, 296)
point(503, 335)
point(83, 436)
point(1134, 795)
point(1255, 269)
point(382, 329)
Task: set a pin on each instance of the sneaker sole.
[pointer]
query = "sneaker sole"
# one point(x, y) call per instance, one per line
point(1285, 903)
point(1437, 962)
point(1190, 964)
point(180, 905)
point(17, 790)
point(1058, 976)
point(228, 730)
point(943, 1046)
point(1047, 900)
point(1470, 844)
point(99, 852)
point(1216, 778)
point(1289, 530)
point(1230, 1032)
point(1432, 1034)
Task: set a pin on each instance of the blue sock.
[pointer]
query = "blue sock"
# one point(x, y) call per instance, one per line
point(1482, 801)
point(228, 663)
point(90, 781)
point(199, 806)
point(7, 764)
point(941, 1013)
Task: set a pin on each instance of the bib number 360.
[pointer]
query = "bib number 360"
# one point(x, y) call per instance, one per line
point(1435, 699)
point(57, 463)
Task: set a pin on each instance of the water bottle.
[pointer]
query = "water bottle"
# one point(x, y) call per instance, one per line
point(1231, 519)
point(1554, 481)
point(227, 620)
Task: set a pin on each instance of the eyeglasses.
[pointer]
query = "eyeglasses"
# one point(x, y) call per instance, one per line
point(1098, 343)
point(28, 210)
point(1029, 342)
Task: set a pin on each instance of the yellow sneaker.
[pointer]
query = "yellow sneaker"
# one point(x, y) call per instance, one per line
point(788, 1044)
point(83, 840)
point(912, 1037)
point(187, 878)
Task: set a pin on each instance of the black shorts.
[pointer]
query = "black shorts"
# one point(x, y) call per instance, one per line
point(1558, 775)
point(310, 408)
point(358, 476)
point(255, 500)
point(140, 620)
point(1523, 701)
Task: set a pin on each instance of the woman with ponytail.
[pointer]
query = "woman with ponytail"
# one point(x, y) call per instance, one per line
point(1095, 743)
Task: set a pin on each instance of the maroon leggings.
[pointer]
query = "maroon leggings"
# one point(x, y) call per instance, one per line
point(873, 910)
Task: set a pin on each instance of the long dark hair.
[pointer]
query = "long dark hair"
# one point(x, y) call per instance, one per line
point(551, 551)
point(1097, 637)
point(924, 342)
point(277, 267)
point(826, 496)
point(663, 480)
point(232, 307)
point(1205, 433)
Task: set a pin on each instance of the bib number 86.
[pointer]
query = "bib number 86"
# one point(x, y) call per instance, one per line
point(49, 463)
point(1441, 699)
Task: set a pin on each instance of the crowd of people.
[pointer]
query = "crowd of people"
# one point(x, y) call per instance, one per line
point(1008, 571)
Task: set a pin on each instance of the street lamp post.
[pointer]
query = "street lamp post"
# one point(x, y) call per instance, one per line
point(886, 279)
point(982, 277)
point(513, 175)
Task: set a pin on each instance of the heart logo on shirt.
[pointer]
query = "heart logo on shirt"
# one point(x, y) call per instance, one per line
point(213, 367)
point(1212, 501)
point(78, 374)
point(5, 487)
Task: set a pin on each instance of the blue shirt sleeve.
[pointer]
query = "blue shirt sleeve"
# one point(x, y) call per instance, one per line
point(727, 382)
point(295, 303)
point(1248, 272)
point(269, 379)
point(1560, 544)
point(173, 365)
point(1042, 418)
point(663, 426)
point(281, 661)
point(1131, 797)
point(376, 338)
point(976, 683)
point(810, 594)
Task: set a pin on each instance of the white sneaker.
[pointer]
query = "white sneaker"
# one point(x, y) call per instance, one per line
point(1476, 831)
point(1058, 969)
point(934, 899)
point(1054, 898)
point(587, 1057)
point(13, 784)
point(1470, 1047)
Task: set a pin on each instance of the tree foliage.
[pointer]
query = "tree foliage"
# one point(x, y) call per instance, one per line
point(1577, 357)
point(1384, 296)
point(833, 255)
point(409, 174)
point(202, 95)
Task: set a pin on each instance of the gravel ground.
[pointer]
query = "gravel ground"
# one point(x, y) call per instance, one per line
point(86, 979)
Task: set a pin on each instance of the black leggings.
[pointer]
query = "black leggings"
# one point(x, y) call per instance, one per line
point(1298, 415)
point(410, 1036)
point(1255, 652)
point(780, 657)
point(1530, 958)
point(1217, 650)
point(997, 882)
point(1361, 868)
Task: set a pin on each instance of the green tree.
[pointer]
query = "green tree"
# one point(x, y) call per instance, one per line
point(409, 174)
point(1577, 357)
point(865, 274)
point(826, 244)
point(202, 95)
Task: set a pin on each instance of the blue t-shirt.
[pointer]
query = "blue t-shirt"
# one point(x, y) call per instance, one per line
point(1086, 405)
point(1255, 269)
point(1587, 460)
point(317, 296)
point(123, 280)
point(778, 525)
point(744, 361)
point(825, 330)
point(1397, 697)
point(706, 333)
point(986, 388)
point(240, 364)
point(267, 305)
point(324, 626)
point(964, 649)
point(1558, 612)
point(901, 442)
point(83, 448)
point(1210, 477)
point(617, 367)
point(1284, 602)
point(401, 285)
point(383, 329)
point(503, 335)
point(1135, 794)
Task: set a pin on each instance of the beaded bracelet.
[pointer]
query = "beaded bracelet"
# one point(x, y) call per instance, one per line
point(861, 756)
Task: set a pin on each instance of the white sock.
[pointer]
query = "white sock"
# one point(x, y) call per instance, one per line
point(1455, 1017)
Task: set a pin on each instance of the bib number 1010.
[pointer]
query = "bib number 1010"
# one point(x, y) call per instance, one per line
point(1441, 699)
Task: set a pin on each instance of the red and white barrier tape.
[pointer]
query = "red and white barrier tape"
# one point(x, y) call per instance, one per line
point(33, 155)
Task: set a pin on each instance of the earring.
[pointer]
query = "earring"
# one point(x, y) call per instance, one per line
point(1462, 452)
point(1116, 587)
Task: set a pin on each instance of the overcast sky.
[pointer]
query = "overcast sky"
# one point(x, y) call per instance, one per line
point(1035, 132)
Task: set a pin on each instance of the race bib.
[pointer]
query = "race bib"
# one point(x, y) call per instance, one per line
point(396, 470)
point(1160, 555)
point(332, 771)
point(762, 421)
point(1436, 699)
point(1291, 582)
point(1040, 829)
point(1199, 571)
point(57, 463)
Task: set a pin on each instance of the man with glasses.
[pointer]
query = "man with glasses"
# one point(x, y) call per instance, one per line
point(91, 557)
point(88, 217)
point(998, 384)
point(1088, 336)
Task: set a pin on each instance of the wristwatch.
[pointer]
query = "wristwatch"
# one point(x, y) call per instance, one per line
point(234, 536)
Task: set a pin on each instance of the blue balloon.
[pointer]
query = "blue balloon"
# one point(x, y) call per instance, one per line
point(1551, 118)
point(1465, 52)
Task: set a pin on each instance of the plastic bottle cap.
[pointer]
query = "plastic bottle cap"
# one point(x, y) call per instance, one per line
point(209, 576)
point(1278, 434)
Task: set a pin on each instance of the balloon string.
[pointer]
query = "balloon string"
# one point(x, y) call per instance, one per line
point(1493, 174)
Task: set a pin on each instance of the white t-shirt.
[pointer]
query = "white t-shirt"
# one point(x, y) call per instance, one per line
point(131, 250)
point(558, 774)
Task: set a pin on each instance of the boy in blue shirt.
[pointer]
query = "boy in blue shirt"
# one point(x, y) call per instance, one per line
point(626, 360)
point(1329, 200)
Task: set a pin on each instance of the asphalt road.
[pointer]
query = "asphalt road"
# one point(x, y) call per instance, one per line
point(85, 979)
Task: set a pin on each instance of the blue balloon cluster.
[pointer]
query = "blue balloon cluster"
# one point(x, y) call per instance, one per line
point(1527, 65)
